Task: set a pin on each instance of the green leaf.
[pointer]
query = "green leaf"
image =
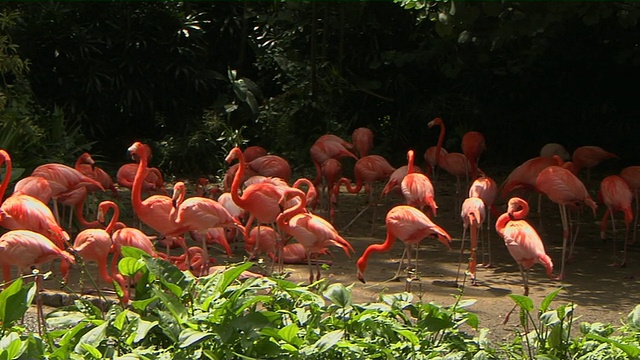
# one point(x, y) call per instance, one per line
point(95, 353)
point(129, 266)
point(143, 329)
point(339, 295)
point(94, 337)
point(472, 320)
point(408, 334)
point(544, 305)
point(189, 337)
point(633, 319)
point(524, 302)
point(12, 344)
point(326, 342)
point(230, 275)
point(289, 334)
point(141, 305)
point(632, 351)
point(15, 301)
point(133, 252)
point(173, 304)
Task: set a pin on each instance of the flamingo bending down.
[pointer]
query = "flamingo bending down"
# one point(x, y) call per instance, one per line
point(417, 188)
point(522, 240)
point(328, 147)
point(362, 138)
point(486, 189)
point(564, 188)
point(473, 215)
point(395, 179)
point(271, 166)
point(312, 231)
point(409, 225)
point(26, 249)
point(473, 145)
point(86, 165)
point(617, 196)
point(589, 157)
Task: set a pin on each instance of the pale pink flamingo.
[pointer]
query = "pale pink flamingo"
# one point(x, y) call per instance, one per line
point(486, 189)
point(95, 245)
point(411, 226)
point(417, 188)
point(312, 231)
point(617, 196)
point(362, 138)
point(564, 188)
point(473, 214)
point(153, 181)
point(395, 179)
point(34, 186)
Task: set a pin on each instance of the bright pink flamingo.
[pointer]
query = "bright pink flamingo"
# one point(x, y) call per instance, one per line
point(86, 165)
point(395, 179)
point(367, 170)
point(271, 166)
point(473, 145)
point(417, 188)
point(76, 199)
point(473, 214)
point(411, 226)
point(617, 196)
point(589, 157)
point(331, 172)
point(362, 138)
point(230, 175)
point(253, 152)
point(522, 240)
point(153, 182)
point(311, 194)
point(25, 249)
point(455, 164)
point(564, 188)
point(95, 245)
point(312, 231)
point(631, 174)
point(486, 189)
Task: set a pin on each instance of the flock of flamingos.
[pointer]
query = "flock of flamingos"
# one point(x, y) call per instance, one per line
point(256, 203)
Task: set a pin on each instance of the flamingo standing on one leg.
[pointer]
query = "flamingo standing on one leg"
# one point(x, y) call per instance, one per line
point(522, 241)
point(417, 188)
point(455, 164)
point(617, 196)
point(362, 138)
point(26, 249)
point(409, 225)
point(473, 145)
point(631, 174)
point(312, 231)
point(473, 214)
point(486, 189)
point(564, 188)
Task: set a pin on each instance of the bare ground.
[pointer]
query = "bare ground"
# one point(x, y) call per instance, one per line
point(603, 293)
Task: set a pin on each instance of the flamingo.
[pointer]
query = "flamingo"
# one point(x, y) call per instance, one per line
point(34, 186)
point(417, 188)
point(522, 240)
point(362, 138)
point(261, 240)
point(473, 145)
point(550, 149)
point(564, 188)
point(153, 181)
point(589, 157)
point(409, 225)
point(86, 165)
point(312, 231)
point(473, 214)
point(26, 249)
point(253, 152)
point(395, 179)
point(156, 210)
point(486, 189)
point(326, 147)
point(271, 166)
point(455, 164)
point(617, 196)
point(430, 158)
point(631, 174)
point(331, 172)
point(95, 245)
point(367, 170)
point(230, 175)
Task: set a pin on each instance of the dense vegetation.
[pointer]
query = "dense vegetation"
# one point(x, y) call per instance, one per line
point(178, 316)
point(194, 78)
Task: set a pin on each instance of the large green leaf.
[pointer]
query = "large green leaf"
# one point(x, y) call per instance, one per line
point(94, 337)
point(14, 301)
point(189, 337)
point(339, 295)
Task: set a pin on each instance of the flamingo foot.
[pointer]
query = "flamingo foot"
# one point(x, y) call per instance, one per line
point(488, 265)
point(558, 278)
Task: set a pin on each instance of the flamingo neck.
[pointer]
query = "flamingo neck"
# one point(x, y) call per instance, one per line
point(81, 219)
point(235, 185)
point(522, 213)
point(114, 218)
point(6, 159)
point(502, 222)
point(440, 140)
point(351, 189)
point(385, 246)
point(410, 165)
point(318, 178)
point(102, 269)
point(138, 180)
point(283, 219)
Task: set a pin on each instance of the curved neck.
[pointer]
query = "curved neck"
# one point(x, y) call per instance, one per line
point(501, 223)
point(350, 188)
point(385, 246)
point(83, 222)
point(410, 164)
point(311, 189)
point(318, 178)
point(283, 219)
point(6, 159)
point(522, 212)
point(104, 206)
point(235, 185)
point(138, 180)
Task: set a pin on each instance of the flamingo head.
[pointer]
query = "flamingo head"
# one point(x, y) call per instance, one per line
point(235, 153)
point(434, 122)
point(138, 150)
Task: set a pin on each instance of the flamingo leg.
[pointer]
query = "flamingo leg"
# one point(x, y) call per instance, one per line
point(613, 235)
point(474, 247)
point(404, 253)
point(310, 268)
point(565, 238)
point(525, 282)
point(464, 234)
point(635, 221)
point(355, 218)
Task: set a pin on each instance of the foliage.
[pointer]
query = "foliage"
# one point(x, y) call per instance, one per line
point(219, 316)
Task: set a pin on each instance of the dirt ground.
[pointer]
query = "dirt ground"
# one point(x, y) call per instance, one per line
point(603, 293)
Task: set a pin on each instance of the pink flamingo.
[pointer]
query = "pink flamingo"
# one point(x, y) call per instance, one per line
point(362, 138)
point(522, 240)
point(564, 188)
point(312, 231)
point(550, 149)
point(473, 214)
point(411, 226)
point(34, 186)
point(331, 172)
point(271, 166)
point(430, 158)
point(95, 245)
point(86, 165)
point(326, 147)
point(473, 145)
point(631, 174)
point(617, 196)
point(589, 157)
point(395, 179)
point(486, 189)
point(417, 188)
point(253, 152)
point(455, 164)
